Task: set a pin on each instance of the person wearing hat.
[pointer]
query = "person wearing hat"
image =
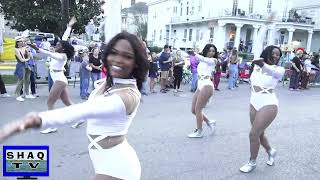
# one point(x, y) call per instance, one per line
point(23, 71)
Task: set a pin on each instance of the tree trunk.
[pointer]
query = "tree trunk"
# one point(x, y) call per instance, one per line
point(65, 15)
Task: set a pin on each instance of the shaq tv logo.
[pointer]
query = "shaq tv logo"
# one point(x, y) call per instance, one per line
point(25, 160)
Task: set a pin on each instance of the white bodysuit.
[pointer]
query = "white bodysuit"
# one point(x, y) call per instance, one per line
point(205, 67)
point(266, 78)
point(106, 115)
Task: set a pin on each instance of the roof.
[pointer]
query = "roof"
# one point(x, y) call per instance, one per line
point(137, 8)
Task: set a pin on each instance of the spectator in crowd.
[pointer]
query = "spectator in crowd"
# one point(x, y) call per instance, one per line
point(164, 63)
point(217, 73)
point(178, 63)
point(85, 70)
point(153, 71)
point(23, 70)
point(306, 72)
point(296, 69)
point(193, 66)
point(96, 64)
point(225, 59)
point(233, 69)
point(3, 90)
point(45, 44)
point(315, 63)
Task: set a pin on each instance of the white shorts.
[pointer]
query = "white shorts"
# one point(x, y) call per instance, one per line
point(259, 100)
point(58, 76)
point(120, 161)
point(204, 82)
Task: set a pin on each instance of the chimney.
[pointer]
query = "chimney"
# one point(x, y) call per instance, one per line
point(133, 2)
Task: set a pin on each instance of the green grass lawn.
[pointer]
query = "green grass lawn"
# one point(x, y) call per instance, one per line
point(9, 79)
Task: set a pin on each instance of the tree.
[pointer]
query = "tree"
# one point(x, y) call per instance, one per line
point(46, 15)
point(142, 28)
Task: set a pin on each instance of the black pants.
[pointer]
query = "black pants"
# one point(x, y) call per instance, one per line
point(2, 86)
point(177, 73)
point(33, 82)
point(294, 79)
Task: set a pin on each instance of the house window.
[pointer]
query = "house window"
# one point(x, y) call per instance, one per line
point(181, 10)
point(269, 6)
point(160, 36)
point(192, 11)
point(198, 35)
point(187, 10)
point(154, 35)
point(211, 32)
point(190, 34)
point(251, 6)
point(185, 34)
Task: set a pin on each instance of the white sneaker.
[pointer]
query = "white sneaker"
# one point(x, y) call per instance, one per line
point(272, 154)
point(196, 134)
point(20, 99)
point(250, 166)
point(30, 96)
point(76, 125)
point(175, 90)
point(49, 130)
point(5, 95)
point(212, 126)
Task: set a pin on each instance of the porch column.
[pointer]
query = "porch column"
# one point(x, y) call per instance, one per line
point(291, 30)
point(310, 32)
point(221, 36)
point(238, 32)
point(170, 30)
point(255, 36)
point(270, 35)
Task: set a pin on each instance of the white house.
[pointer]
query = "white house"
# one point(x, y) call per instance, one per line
point(137, 13)
point(193, 23)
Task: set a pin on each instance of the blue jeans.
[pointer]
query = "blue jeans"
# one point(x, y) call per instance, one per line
point(84, 86)
point(194, 83)
point(94, 77)
point(233, 74)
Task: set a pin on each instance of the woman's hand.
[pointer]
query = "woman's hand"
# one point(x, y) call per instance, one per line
point(33, 46)
point(31, 120)
point(72, 21)
point(259, 62)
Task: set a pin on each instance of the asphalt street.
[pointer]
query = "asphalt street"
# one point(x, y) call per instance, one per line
point(159, 136)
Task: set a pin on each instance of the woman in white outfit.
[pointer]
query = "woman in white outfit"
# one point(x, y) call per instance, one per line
point(205, 88)
point(63, 52)
point(263, 102)
point(109, 111)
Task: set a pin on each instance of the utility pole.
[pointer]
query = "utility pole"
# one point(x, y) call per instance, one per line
point(65, 14)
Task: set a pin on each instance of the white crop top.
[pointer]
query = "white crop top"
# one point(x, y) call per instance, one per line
point(206, 65)
point(104, 112)
point(58, 60)
point(266, 77)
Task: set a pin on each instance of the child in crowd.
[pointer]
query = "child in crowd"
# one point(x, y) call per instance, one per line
point(85, 70)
